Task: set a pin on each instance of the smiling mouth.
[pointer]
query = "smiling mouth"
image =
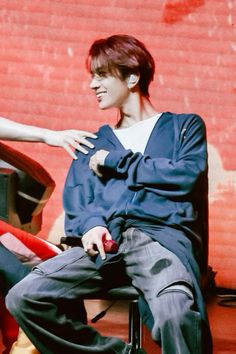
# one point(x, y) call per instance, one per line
point(100, 95)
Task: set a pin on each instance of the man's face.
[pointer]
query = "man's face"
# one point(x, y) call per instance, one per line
point(111, 91)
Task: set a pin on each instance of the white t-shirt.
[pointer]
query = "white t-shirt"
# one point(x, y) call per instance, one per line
point(136, 136)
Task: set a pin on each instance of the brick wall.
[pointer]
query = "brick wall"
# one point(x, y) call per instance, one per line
point(43, 80)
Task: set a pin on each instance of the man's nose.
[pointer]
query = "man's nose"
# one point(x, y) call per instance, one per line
point(94, 83)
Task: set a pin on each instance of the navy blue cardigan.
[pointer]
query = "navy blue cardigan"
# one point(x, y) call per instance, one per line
point(163, 191)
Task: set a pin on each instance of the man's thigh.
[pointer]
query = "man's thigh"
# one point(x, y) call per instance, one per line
point(151, 267)
point(71, 274)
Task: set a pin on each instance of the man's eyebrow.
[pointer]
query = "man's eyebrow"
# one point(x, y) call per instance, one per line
point(101, 70)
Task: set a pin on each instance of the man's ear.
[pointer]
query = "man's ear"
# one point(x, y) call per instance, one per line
point(133, 80)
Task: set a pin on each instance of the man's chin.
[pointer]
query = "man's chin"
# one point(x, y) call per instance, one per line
point(103, 106)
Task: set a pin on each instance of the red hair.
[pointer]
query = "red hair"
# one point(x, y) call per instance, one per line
point(122, 55)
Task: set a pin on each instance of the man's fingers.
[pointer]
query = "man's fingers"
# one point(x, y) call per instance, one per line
point(88, 134)
point(85, 142)
point(108, 236)
point(70, 151)
point(71, 142)
point(91, 251)
point(82, 138)
point(93, 165)
point(77, 141)
point(101, 249)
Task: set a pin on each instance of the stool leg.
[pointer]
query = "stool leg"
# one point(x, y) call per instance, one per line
point(135, 325)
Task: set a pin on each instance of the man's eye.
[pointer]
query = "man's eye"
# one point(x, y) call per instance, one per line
point(97, 77)
point(101, 73)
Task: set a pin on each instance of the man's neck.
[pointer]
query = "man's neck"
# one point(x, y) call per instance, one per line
point(140, 108)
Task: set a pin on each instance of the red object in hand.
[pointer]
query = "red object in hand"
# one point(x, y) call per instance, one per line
point(110, 246)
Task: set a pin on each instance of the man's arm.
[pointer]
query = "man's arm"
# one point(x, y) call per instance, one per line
point(67, 139)
point(83, 217)
point(82, 209)
point(167, 177)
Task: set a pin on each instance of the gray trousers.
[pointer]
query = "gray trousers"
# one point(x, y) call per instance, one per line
point(48, 302)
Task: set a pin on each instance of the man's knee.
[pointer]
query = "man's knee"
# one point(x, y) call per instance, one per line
point(174, 310)
point(17, 297)
point(13, 301)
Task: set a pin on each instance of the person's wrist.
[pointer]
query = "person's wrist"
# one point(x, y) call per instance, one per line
point(44, 135)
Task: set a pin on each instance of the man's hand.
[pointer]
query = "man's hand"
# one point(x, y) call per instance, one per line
point(92, 241)
point(97, 160)
point(69, 139)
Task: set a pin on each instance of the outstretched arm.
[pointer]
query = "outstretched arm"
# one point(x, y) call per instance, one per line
point(67, 139)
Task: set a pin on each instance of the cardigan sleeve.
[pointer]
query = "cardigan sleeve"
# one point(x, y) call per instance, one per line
point(167, 177)
point(81, 213)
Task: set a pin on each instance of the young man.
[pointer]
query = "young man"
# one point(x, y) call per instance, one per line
point(145, 187)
